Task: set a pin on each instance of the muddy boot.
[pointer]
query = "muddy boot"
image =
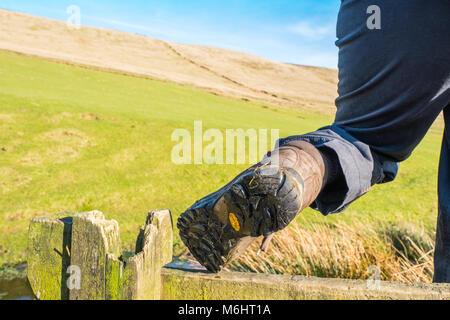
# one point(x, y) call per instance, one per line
point(260, 201)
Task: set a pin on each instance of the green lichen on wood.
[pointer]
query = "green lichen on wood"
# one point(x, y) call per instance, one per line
point(180, 285)
point(114, 271)
point(129, 280)
point(144, 268)
point(137, 276)
point(49, 246)
point(93, 244)
point(93, 238)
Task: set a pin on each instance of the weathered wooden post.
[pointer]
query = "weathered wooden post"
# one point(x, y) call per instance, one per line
point(79, 258)
point(49, 245)
point(141, 276)
point(93, 239)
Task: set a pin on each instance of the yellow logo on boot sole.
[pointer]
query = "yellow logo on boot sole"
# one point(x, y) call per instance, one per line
point(234, 222)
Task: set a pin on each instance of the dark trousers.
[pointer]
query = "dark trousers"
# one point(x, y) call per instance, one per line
point(393, 83)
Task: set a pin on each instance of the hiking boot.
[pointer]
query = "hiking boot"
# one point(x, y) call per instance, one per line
point(260, 201)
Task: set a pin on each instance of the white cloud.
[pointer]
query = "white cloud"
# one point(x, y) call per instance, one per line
point(328, 60)
point(312, 30)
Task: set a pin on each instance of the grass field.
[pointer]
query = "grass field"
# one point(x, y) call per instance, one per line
point(74, 139)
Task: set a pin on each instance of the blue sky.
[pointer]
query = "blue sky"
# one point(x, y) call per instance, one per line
point(294, 31)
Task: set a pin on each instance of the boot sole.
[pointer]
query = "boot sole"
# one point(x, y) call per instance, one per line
point(219, 227)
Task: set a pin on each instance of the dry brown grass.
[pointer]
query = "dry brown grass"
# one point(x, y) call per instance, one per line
point(402, 253)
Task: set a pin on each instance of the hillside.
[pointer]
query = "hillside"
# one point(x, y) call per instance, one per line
point(216, 70)
point(75, 139)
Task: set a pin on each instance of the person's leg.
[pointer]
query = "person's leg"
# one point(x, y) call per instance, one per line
point(393, 84)
point(387, 102)
point(442, 252)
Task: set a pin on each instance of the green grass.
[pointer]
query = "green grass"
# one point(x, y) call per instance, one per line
point(74, 139)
